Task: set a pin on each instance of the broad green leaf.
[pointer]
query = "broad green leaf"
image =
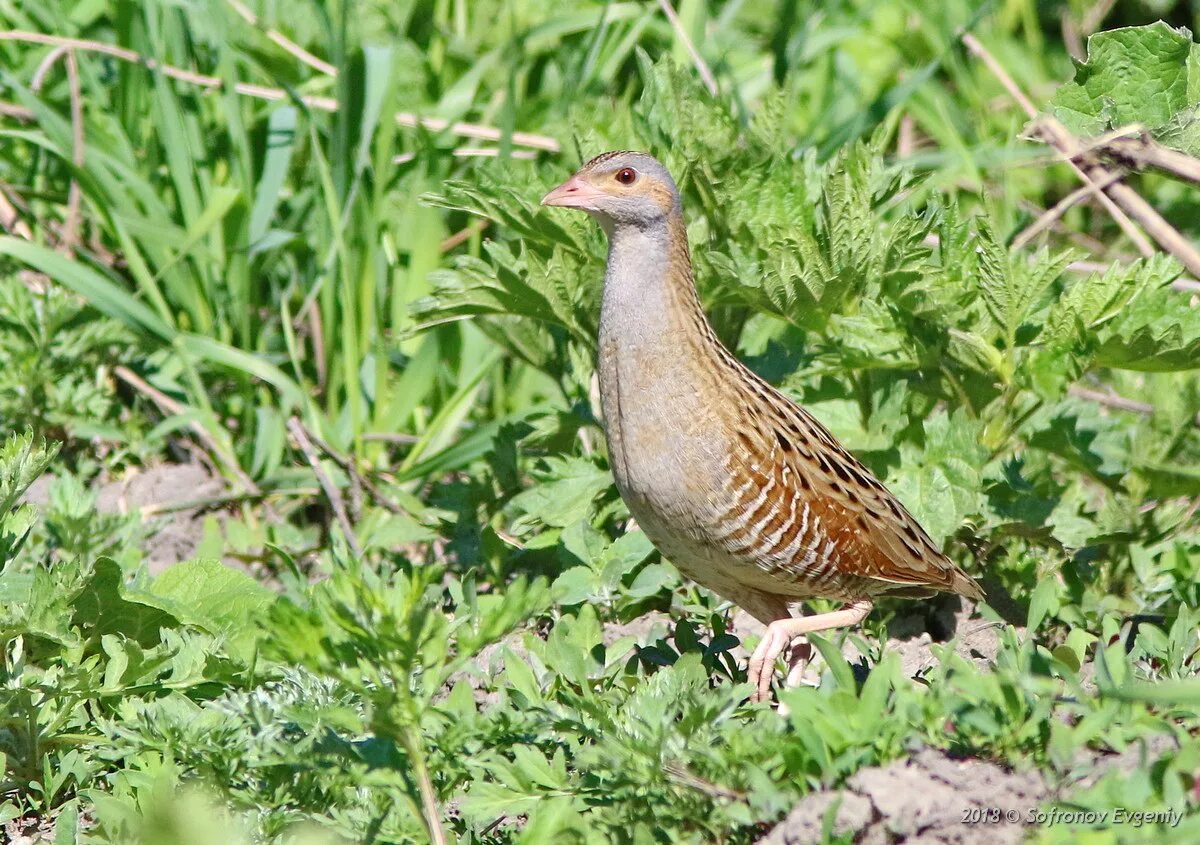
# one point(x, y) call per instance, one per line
point(626, 552)
point(566, 498)
point(651, 579)
point(105, 606)
point(213, 596)
point(577, 584)
point(942, 484)
point(1145, 75)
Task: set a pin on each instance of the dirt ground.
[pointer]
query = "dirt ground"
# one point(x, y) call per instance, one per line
point(924, 799)
point(164, 486)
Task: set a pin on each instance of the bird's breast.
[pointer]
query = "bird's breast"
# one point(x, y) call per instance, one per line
point(664, 436)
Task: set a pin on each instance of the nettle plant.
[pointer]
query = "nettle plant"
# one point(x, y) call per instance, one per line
point(942, 357)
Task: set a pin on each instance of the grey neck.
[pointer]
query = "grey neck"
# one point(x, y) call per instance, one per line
point(648, 288)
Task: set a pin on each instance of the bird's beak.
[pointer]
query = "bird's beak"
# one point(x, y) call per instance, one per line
point(573, 193)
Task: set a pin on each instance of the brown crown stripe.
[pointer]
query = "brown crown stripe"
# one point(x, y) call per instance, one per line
point(603, 157)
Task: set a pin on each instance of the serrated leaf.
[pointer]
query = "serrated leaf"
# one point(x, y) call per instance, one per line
point(1012, 285)
point(941, 485)
point(1158, 332)
point(568, 494)
point(486, 801)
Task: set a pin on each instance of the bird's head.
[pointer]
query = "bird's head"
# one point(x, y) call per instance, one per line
point(620, 189)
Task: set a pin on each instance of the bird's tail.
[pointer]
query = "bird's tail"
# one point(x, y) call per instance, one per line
point(965, 585)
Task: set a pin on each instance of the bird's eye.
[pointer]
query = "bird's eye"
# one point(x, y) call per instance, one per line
point(626, 175)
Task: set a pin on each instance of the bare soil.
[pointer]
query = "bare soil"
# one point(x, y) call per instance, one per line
point(930, 799)
point(161, 490)
point(164, 486)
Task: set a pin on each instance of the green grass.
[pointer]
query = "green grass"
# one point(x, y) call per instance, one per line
point(852, 192)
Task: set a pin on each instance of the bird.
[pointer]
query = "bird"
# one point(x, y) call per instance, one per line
point(740, 487)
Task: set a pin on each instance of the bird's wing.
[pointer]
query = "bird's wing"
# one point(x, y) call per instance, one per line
point(825, 515)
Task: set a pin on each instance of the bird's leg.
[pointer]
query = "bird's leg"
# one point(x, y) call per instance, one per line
point(780, 634)
point(797, 662)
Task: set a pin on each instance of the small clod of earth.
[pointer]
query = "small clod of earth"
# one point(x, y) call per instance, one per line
point(164, 492)
point(928, 799)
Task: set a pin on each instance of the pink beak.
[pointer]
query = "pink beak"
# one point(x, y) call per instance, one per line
point(573, 193)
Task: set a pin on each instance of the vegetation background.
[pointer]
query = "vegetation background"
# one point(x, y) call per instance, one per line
point(307, 532)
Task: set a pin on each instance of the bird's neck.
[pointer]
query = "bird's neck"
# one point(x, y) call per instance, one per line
point(650, 297)
point(657, 356)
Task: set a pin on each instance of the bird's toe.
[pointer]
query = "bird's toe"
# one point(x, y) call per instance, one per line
point(762, 662)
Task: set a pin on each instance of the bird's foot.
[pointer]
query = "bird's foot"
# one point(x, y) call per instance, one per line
point(762, 663)
point(783, 632)
point(775, 639)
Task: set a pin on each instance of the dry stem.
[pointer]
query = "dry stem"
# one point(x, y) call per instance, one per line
point(1064, 143)
point(1113, 400)
point(463, 234)
point(358, 481)
point(1129, 201)
point(710, 81)
point(283, 41)
point(332, 493)
point(170, 406)
point(1144, 151)
point(1051, 216)
point(262, 92)
point(70, 234)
